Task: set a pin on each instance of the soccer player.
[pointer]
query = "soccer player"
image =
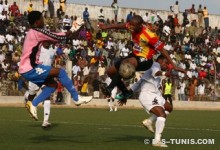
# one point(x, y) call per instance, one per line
point(31, 69)
point(46, 58)
point(146, 45)
point(152, 100)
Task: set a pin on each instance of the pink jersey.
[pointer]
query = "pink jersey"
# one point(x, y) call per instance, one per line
point(31, 47)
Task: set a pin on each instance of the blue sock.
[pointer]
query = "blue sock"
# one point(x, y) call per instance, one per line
point(46, 92)
point(68, 84)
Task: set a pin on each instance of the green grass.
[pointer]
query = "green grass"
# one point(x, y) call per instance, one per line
point(98, 129)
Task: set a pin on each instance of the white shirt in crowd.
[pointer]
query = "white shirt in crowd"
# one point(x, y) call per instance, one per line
point(1, 8)
point(124, 52)
point(201, 89)
point(76, 69)
point(175, 8)
point(2, 39)
point(86, 70)
point(9, 37)
point(168, 47)
point(166, 30)
point(192, 65)
point(182, 88)
point(188, 56)
point(189, 74)
point(145, 18)
point(75, 43)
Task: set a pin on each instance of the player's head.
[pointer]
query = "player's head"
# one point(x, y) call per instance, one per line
point(162, 61)
point(135, 25)
point(35, 19)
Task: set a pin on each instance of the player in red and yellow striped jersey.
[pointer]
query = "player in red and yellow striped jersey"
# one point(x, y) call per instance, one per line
point(146, 45)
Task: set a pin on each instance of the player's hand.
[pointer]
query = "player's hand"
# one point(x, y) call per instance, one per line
point(122, 102)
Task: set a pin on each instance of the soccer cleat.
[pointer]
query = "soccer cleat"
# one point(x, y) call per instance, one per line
point(121, 96)
point(159, 144)
point(46, 124)
point(83, 100)
point(32, 110)
point(148, 125)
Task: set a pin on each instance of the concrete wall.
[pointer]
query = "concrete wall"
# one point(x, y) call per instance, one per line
point(77, 10)
point(102, 103)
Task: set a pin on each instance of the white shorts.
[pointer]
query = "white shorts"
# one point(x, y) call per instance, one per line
point(33, 88)
point(149, 100)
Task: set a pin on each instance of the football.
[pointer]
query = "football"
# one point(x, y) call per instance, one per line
point(126, 70)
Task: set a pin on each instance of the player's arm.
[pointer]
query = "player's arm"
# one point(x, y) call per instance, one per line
point(113, 26)
point(167, 56)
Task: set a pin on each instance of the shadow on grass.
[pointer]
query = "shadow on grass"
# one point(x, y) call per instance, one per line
point(129, 138)
point(53, 138)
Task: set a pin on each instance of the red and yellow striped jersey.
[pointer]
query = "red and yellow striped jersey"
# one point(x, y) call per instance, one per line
point(146, 43)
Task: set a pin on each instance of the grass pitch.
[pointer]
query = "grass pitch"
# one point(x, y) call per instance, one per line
point(99, 129)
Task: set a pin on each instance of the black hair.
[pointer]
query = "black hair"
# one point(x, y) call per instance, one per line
point(34, 16)
point(138, 19)
point(160, 57)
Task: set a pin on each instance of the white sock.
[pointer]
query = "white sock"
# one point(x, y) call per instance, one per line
point(26, 94)
point(110, 104)
point(46, 110)
point(152, 118)
point(160, 124)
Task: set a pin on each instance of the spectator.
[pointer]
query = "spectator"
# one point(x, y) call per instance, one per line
point(115, 9)
point(45, 5)
point(76, 69)
point(175, 8)
point(63, 5)
point(66, 23)
point(86, 18)
point(60, 89)
point(84, 89)
point(181, 90)
point(206, 17)
point(145, 18)
point(129, 16)
point(101, 17)
point(14, 10)
point(60, 12)
point(30, 8)
point(200, 16)
point(201, 90)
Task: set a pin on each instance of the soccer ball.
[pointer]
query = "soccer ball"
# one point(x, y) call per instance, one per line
point(126, 70)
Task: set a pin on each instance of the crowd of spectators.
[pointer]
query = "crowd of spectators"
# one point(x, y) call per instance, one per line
point(193, 45)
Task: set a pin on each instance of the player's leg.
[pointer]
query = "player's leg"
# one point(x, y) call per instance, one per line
point(140, 65)
point(68, 84)
point(113, 73)
point(160, 124)
point(110, 104)
point(47, 105)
